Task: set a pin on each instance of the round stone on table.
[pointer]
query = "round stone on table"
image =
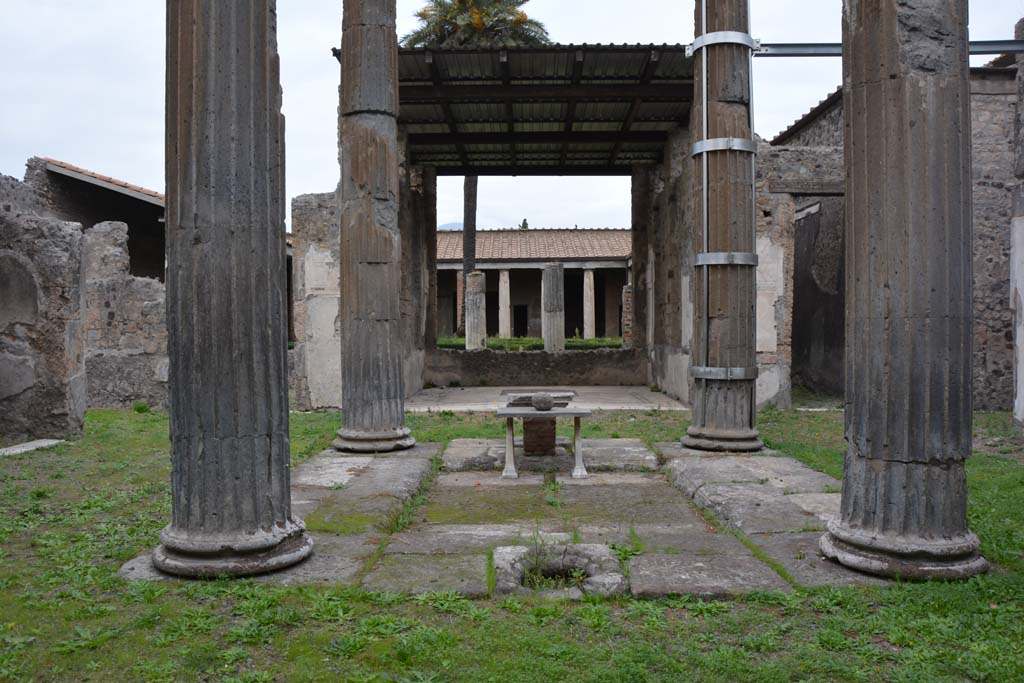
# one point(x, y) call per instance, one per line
point(543, 401)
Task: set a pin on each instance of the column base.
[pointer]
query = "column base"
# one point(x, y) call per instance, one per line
point(901, 557)
point(722, 440)
point(199, 560)
point(354, 441)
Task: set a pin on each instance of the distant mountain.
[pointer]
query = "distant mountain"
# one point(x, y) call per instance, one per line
point(450, 226)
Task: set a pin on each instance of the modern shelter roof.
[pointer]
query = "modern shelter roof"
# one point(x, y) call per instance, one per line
point(552, 110)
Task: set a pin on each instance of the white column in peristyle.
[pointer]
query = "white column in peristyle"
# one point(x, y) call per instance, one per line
point(504, 305)
point(589, 307)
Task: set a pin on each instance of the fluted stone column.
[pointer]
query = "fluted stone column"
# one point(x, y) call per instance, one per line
point(552, 295)
point(373, 391)
point(589, 306)
point(227, 341)
point(627, 317)
point(504, 305)
point(476, 311)
point(724, 365)
point(908, 301)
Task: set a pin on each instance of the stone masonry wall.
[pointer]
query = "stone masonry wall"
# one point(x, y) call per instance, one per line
point(42, 377)
point(824, 131)
point(486, 367)
point(674, 229)
point(1017, 242)
point(670, 266)
point(316, 377)
point(993, 113)
point(124, 325)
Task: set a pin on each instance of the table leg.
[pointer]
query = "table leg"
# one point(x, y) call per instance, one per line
point(510, 451)
point(579, 471)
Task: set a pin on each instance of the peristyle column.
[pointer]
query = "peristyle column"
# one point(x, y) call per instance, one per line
point(552, 295)
point(476, 311)
point(589, 314)
point(908, 300)
point(504, 305)
point(724, 365)
point(227, 342)
point(373, 391)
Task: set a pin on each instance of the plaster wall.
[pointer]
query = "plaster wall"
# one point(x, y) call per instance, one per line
point(316, 380)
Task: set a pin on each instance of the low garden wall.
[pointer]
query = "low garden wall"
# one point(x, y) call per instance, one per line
point(487, 367)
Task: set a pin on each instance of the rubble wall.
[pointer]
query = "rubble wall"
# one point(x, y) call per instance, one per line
point(42, 375)
point(124, 324)
point(994, 110)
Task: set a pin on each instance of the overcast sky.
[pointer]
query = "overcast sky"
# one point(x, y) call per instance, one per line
point(84, 82)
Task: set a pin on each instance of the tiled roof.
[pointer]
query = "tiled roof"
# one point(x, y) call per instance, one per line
point(538, 245)
point(103, 179)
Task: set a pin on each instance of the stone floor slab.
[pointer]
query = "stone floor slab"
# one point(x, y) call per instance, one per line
point(600, 455)
point(329, 470)
point(364, 504)
point(414, 574)
point(728, 574)
point(335, 560)
point(825, 506)
point(444, 539)
point(471, 455)
point(799, 555)
point(756, 508)
point(690, 472)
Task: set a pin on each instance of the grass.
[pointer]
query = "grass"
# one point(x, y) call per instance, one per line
point(532, 343)
point(70, 515)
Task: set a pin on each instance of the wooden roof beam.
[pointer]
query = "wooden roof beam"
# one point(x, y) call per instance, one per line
point(617, 137)
point(570, 111)
point(650, 67)
point(506, 79)
point(449, 117)
point(601, 92)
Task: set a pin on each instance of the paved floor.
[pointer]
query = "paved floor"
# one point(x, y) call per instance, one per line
point(678, 522)
point(486, 399)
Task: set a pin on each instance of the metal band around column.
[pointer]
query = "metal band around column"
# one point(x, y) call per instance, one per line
point(723, 145)
point(723, 374)
point(725, 258)
point(723, 38)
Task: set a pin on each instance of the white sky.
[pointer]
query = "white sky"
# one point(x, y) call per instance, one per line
point(84, 82)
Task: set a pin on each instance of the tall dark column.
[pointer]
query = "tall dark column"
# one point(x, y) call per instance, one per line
point(552, 296)
point(908, 292)
point(724, 365)
point(231, 506)
point(373, 390)
point(641, 192)
point(430, 226)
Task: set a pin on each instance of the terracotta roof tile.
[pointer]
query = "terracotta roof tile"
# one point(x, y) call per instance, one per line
point(538, 245)
point(104, 178)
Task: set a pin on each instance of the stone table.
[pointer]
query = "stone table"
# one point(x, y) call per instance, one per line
point(510, 414)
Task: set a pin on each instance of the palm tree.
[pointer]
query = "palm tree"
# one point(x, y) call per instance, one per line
point(448, 24)
point(476, 23)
